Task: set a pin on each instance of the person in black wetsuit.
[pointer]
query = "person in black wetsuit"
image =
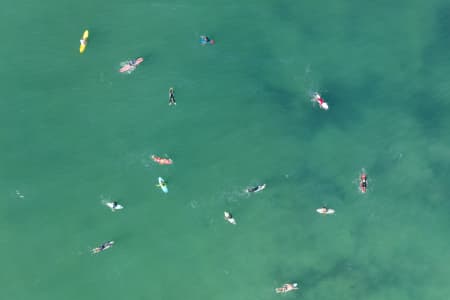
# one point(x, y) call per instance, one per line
point(364, 181)
point(205, 39)
point(172, 97)
point(103, 247)
point(253, 189)
point(256, 188)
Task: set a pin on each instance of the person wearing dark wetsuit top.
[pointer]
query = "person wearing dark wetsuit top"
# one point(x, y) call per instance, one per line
point(172, 97)
point(364, 183)
point(105, 245)
point(205, 40)
point(253, 189)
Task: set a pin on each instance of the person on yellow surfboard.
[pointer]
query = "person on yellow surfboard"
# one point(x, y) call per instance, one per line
point(83, 41)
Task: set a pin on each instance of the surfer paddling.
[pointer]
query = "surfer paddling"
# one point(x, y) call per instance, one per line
point(325, 211)
point(256, 189)
point(205, 40)
point(114, 205)
point(229, 218)
point(161, 161)
point(131, 65)
point(83, 41)
point(162, 184)
point(318, 99)
point(363, 182)
point(287, 288)
point(103, 247)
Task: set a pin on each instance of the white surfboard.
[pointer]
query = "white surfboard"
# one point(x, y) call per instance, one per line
point(258, 189)
point(325, 211)
point(229, 218)
point(111, 205)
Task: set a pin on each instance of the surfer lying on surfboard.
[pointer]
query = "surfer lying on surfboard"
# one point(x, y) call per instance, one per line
point(229, 217)
point(103, 247)
point(363, 182)
point(325, 211)
point(287, 288)
point(161, 161)
point(162, 184)
point(256, 188)
point(204, 40)
point(130, 65)
point(114, 205)
point(318, 99)
point(83, 41)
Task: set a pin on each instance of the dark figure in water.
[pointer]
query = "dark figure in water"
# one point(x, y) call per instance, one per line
point(172, 97)
point(256, 188)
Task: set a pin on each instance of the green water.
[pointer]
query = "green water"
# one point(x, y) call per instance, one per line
point(74, 132)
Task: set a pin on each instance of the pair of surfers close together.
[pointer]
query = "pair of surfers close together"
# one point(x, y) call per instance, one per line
point(229, 217)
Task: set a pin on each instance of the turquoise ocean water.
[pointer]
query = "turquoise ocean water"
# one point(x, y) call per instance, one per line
point(75, 132)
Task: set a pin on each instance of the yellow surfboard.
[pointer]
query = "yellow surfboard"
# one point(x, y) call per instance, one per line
point(84, 39)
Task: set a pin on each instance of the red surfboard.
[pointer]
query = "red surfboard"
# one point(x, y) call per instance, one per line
point(131, 67)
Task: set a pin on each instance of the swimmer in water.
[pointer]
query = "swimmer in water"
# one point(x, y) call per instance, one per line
point(256, 188)
point(172, 97)
point(229, 218)
point(103, 247)
point(287, 288)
